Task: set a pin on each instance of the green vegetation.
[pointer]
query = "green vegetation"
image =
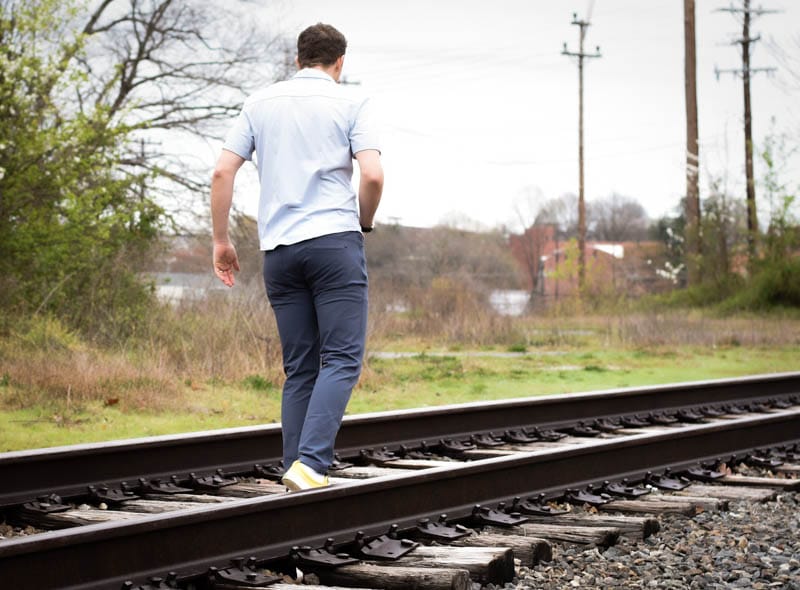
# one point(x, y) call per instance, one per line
point(774, 289)
point(71, 394)
point(191, 409)
point(87, 91)
point(88, 353)
point(72, 226)
point(478, 378)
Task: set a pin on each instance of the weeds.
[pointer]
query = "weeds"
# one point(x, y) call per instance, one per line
point(73, 380)
point(232, 341)
point(258, 383)
point(437, 368)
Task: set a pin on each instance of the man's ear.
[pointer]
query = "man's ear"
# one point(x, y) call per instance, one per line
point(297, 62)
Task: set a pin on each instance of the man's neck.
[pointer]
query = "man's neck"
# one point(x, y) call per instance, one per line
point(332, 70)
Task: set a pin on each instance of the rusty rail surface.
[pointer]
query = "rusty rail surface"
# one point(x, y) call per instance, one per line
point(70, 470)
point(105, 555)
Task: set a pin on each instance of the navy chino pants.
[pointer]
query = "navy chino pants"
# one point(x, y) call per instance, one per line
point(318, 291)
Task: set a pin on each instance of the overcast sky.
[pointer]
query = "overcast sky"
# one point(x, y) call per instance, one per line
point(479, 106)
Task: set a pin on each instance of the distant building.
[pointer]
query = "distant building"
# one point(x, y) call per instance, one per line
point(173, 287)
point(549, 266)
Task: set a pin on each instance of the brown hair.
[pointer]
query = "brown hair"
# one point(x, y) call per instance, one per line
point(320, 45)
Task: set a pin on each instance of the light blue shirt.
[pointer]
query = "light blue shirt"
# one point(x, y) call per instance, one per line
point(305, 132)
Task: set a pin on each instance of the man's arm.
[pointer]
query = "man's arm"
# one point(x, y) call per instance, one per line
point(370, 186)
point(225, 258)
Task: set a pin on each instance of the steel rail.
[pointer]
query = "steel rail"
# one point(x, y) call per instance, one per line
point(69, 470)
point(104, 555)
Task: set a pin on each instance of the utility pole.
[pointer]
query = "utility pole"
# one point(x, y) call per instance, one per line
point(583, 25)
point(746, 72)
point(693, 249)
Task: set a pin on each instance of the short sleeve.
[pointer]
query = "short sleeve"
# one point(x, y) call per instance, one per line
point(364, 134)
point(240, 139)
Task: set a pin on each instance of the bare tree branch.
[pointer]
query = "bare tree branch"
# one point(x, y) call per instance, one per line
point(155, 65)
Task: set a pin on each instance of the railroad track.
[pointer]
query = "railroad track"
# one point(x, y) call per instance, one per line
point(406, 466)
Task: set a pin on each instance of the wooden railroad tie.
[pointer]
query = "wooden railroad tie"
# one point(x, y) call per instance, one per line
point(789, 485)
point(199, 498)
point(635, 526)
point(368, 575)
point(529, 550)
point(584, 535)
point(728, 492)
point(789, 468)
point(667, 504)
point(488, 565)
point(251, 489)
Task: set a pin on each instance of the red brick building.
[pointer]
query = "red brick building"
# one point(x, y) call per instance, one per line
point(549, 266)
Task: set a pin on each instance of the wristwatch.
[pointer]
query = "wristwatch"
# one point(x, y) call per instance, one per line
point(366, 230)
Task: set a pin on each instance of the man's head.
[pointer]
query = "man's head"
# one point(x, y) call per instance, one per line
point(321, 45)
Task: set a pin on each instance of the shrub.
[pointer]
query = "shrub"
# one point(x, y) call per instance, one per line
point(775, 285)
point(46, 333)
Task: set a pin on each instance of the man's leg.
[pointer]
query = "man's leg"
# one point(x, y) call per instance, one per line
point(338, 277)
point(293, 305)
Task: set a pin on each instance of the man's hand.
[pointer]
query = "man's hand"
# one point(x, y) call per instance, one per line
point(225, 262)
point(225, 259)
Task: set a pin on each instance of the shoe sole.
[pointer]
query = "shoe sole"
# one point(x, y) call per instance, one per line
point(292, 485)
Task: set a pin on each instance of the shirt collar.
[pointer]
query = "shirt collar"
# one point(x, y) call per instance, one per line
point(313, 73)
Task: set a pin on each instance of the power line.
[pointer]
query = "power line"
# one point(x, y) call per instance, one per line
point(745, 72)
point(581, 55)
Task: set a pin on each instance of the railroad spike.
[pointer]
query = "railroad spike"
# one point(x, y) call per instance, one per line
point(588, 496)
point(440, 530)
point(384, 547)
point(545, 435)
point(624, 489)
point(535, 507)
point(323, 557)
point(270, 472)
point(378, 457)
point(580, 429)
point(483, 516)
point(665, 482)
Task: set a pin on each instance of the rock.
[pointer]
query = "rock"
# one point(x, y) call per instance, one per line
point(757, 546)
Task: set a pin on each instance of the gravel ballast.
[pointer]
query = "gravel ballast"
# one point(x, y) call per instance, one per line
point(749, 546)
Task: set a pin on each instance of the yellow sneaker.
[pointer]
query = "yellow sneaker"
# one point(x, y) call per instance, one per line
point(301, 477)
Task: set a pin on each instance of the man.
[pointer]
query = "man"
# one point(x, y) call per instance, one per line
point(305, 133)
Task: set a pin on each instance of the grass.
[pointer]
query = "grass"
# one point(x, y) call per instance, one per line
point(433, 377)
point(207, 407)
point(214, 364)
point(426, 380)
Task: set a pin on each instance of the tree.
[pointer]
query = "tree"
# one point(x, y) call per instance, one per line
point(617, 219)
point(529, 245)
point(407, 257)
point(789, 60)
point(670, 229)
point(68, 222)
point(723, 230)
point(84, 93)
point(783, 234)
point(545, 226)
point(169, 70)
point(562, 213)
